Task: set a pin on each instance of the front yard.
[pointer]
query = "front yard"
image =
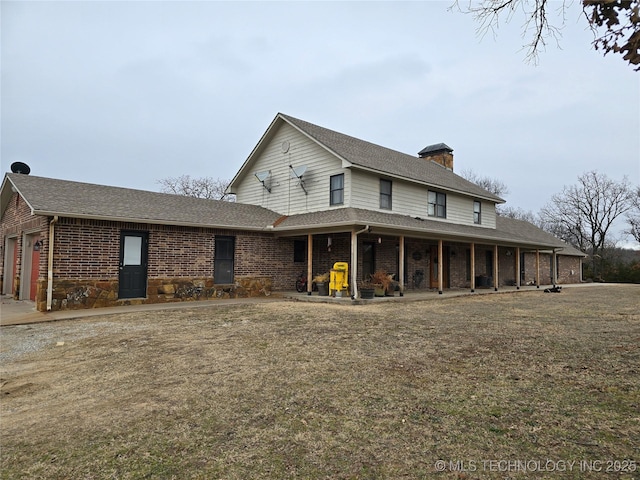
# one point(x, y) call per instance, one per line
point(518, 385)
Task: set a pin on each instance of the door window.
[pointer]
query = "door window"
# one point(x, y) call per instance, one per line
point(133, 264)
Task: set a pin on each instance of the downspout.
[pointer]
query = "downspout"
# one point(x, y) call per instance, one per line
point(354, 260)
point(50, 263)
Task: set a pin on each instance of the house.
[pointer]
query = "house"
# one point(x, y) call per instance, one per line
point(307, 197)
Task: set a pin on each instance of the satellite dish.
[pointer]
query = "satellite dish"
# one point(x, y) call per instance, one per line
point(262, 176)
point(298, 172)
point(19, 167)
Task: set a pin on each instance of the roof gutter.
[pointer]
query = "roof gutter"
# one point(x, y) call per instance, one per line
point(52, 223)
point(425, 234)
point(148, 221)
point(354, 260)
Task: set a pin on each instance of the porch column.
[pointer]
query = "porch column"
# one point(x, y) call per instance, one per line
point(537, 268)
point(440, 267)
point(496, 263)
point(354, 264)
point(554, 267)
point(473, 267)
point(309, 263)
point(401, 260)
point(517, 268)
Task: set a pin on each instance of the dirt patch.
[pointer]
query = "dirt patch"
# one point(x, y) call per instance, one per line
point(295, 390)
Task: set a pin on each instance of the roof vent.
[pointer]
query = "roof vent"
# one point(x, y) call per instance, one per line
point(19, 167)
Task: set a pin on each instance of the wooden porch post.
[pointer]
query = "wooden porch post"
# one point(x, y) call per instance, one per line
point(496, 263)
point(401, 269)
point(517, 268)
point(309, 263)
point(440, 267)
point(537, 268)
point(554, 267)
point(473, 267)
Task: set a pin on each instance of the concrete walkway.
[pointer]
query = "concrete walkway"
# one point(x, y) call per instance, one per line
point(20, 312)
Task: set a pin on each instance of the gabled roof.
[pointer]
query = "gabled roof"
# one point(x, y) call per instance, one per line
point(369, 156)
point(48, 196)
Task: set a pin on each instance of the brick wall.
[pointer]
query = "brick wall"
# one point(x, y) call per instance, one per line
point(569, 269)
point(417, 264)
point(16, 221)
point(181, 260)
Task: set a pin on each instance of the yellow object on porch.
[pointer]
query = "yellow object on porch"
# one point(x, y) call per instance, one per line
point(339, 279)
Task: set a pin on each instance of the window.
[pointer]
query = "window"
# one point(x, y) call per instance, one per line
point(437, 204)
point(337, 190)
point(477, 217)
point(223, 260)
point(368, 260)
point(299, 251)
point(385, 194)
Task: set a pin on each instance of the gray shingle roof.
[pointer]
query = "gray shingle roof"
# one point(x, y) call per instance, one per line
point(381, 159)
point(47, 196)
point(507, 231)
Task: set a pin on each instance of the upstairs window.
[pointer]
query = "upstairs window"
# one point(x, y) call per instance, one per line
point(477, 212)
point(437, 204)
point(385, 194)
point(336, 194)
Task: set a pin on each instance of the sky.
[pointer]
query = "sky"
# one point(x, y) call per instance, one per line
point(127, 93)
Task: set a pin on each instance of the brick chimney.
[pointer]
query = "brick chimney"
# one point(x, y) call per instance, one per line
point(440, 153)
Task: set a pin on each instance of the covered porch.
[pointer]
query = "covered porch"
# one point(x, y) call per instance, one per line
point(424, 263)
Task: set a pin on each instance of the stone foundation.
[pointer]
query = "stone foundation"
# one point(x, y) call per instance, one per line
point(81, 294)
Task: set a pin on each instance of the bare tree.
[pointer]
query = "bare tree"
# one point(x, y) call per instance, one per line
point(497, 187)
point(519, 214)
point(203, 187)
point(633, 216)
point(614, 23)
point(583, 214)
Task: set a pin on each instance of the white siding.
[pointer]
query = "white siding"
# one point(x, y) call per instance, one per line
point(410, 199)
point(361, 189)
point(287, 197)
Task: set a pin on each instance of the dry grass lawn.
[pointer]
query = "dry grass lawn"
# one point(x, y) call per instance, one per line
point(514, 385)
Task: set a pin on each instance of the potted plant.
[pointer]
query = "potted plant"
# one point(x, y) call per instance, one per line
point(322, 282)
point(383, 282)
point(367, 290)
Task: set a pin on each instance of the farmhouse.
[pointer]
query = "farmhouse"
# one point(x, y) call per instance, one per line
point(307, 197)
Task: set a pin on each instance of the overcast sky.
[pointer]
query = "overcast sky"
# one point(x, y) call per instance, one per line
point(127, 93)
